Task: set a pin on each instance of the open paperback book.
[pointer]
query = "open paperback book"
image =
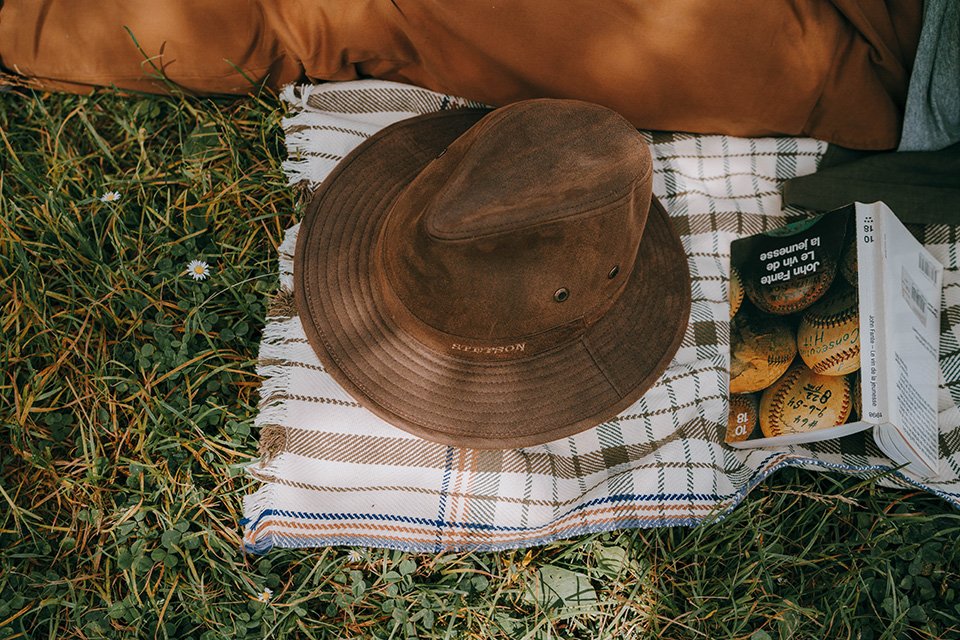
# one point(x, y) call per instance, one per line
point(835, 327)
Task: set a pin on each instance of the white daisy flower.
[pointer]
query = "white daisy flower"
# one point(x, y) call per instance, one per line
point(354, 556)
point(198, 269)
point(110, 196)
point(265, 595)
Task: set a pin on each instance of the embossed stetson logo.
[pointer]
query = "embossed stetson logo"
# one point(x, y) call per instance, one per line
point(518, 347)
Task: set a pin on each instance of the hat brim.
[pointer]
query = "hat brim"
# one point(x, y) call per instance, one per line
point(484, 405)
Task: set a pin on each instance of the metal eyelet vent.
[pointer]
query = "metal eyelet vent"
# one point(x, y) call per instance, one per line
point(613, 272)
point(561, 294)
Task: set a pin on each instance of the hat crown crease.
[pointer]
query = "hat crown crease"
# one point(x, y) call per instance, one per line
point(530, 166)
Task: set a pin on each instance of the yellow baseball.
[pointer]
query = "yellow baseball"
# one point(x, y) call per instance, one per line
point(742, 418)
point(761, 349)
point(803, 401)
point(828, 336)
point(736, 291)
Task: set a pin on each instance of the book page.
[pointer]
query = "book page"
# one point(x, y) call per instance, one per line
point(891, 441)
point(912, 280)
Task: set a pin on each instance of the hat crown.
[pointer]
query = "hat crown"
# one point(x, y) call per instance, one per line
point(527, 226)
point(533, 165)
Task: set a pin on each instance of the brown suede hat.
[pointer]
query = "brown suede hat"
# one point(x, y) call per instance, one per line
point(494, 279)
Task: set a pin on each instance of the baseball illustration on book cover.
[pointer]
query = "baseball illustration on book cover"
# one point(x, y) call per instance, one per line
point(794, 339)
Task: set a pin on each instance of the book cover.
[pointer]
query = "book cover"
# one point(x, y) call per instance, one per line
point(834, 329)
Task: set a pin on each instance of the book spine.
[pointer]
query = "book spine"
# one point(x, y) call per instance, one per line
point(870, 267)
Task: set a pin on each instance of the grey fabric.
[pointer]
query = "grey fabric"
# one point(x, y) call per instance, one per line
point(920, 186)
point(932, 117)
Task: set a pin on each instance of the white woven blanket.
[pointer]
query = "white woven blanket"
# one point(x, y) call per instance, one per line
point(333, 473)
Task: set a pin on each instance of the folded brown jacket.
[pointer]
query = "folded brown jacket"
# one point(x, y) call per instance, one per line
point(836, 70)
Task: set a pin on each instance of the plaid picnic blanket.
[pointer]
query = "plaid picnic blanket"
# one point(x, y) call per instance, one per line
point(332, 473)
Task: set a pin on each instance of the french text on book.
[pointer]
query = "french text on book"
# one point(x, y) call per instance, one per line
point(792, 261)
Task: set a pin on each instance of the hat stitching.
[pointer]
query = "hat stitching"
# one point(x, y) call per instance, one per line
point(505, 341)
point(420, 420)
point(438, 426)
point(601, 369)
point(441, 428)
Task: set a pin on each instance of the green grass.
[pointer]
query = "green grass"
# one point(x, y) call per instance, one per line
point(127, 394)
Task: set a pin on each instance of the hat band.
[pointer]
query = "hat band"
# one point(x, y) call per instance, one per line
point(516, 348)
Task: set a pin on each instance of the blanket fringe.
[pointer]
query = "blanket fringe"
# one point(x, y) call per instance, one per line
point(286, 251)
point(281, 305)
point(308, 159)
point(276, 384)
point(255, 505)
